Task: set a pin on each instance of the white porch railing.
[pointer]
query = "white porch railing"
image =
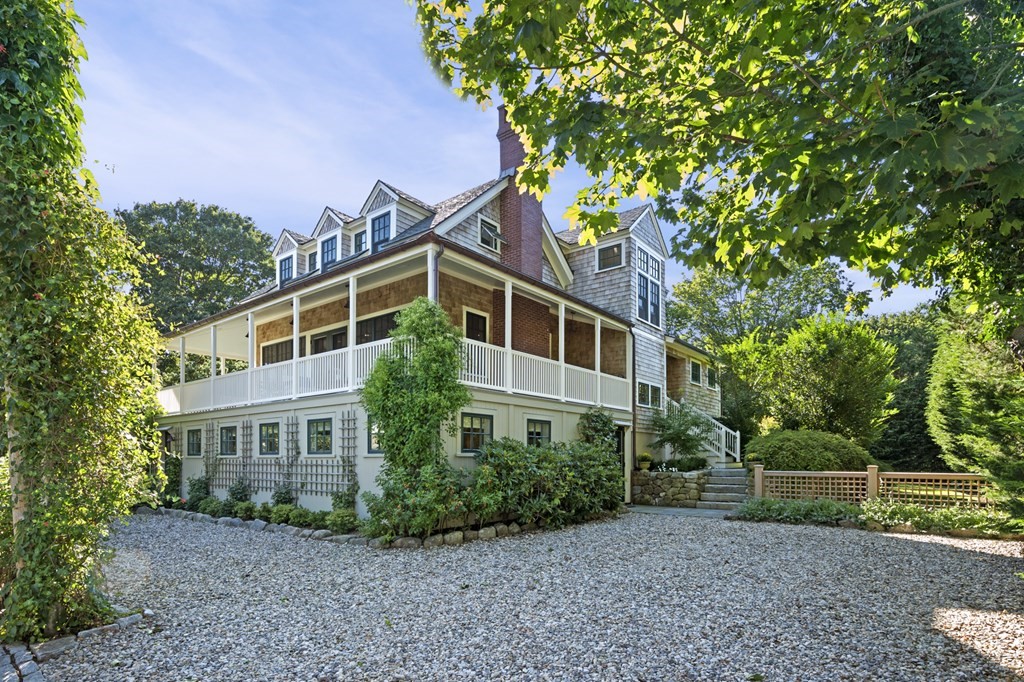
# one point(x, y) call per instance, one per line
point(484, 366)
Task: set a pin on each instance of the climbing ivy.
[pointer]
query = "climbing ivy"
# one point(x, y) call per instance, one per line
point(76, 347)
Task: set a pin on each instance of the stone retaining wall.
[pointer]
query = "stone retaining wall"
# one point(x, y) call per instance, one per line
point(669, 488)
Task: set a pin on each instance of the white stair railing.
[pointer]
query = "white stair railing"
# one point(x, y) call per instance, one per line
point(721, 440)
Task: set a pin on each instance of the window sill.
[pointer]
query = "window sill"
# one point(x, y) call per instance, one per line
point(609, 269)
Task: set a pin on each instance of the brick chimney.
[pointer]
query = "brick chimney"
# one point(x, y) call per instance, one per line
point(522, 220)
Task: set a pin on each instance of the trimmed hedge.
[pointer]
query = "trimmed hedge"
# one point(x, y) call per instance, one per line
point(808, 451)
point(826, 512)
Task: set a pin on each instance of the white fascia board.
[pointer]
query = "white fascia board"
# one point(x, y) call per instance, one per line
point(379, 185)
point(555, 257)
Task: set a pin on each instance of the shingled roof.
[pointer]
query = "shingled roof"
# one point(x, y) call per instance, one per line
point(299, 239)
point(626, 220)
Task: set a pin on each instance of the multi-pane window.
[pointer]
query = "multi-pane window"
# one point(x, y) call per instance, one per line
point(194, 446)
point(712, 378)
point(281, 351)
point(489, 234)
point(318, 436)
point(648, 395)
point(476, 327)
point(286, 269)
point(327, 341)
point(360, 242)
point(375, 328)
point(228, 441)
point(329, 251)
point(648, 286)
point(311, 262)
point(538, 432)
point(609, 257)
point(477, 429)
point(380, 231)
point(270, 439)
point(695, 372)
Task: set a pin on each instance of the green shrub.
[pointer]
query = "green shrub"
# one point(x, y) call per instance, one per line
point(319, 520)
point(227, 508)
point(239, 491)
point(245, 510)
point(198, 490)
point(301, 518)
point(282, 494)
point(826, 512)
point(942, 519)
point(342, 521)
point(345, 499)
point(807, 451)
point(691, 463)
point(263, 512)
point(553, 485)
point(416, 503)
point(209, 505)
point(682, 429)
point(597, 426)
point(279, 513)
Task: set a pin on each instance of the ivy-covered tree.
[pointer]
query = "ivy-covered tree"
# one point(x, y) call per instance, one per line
point(412, 394)
point(76, 346)
point(830, 375)
point(905, 442)
point(976, 405)
point(886, 133)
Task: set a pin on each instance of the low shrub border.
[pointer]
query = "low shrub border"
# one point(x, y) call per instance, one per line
point(883, 515)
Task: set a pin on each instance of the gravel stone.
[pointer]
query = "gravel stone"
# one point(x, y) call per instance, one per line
point(55, 647)
point(257, 524)
point(642, 597)
point(501, 530)
point(358, 540)
point(404, 543)
point(514, 529)
point(96, 632)
point(470, 535)
point(321, 534)
point(453, 538)
point(433, 541)
point(487, 533)
point(129, 621)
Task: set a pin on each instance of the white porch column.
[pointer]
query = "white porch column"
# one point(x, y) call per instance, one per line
point(181, 360)
point(351, 332)
point(295, 345)
point(561, 350)
point(213, 363)
point(508, 336)
point(251, 338)
point(597, 356)
point(432, 273)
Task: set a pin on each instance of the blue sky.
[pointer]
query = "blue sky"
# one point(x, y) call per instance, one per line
point(275, 109)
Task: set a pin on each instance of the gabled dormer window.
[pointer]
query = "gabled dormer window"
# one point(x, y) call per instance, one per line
point(648, 288)
point(360, 242)
point(285, 269)
point(329, 251)
point(490, 234)
point(311, 262)
point(380, 231)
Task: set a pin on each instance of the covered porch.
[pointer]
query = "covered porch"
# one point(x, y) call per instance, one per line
point(301, 345)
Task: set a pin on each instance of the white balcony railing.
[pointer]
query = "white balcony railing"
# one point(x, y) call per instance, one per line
point(484, 366)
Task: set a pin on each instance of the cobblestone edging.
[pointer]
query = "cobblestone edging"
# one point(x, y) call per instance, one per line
point(456, 537)
point(21, 662)
point(669, 488)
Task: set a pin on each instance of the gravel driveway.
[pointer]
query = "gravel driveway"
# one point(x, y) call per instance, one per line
point(642, 597)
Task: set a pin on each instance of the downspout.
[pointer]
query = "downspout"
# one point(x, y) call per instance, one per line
point(632, 402)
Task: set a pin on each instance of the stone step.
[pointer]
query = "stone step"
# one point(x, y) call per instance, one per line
point(726, 480)
point(729, 473)
point(717, 505)
point(723, 497)
point(732, 465)
point(726, 488)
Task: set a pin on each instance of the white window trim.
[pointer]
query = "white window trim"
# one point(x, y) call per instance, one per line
point(702, 373)
point(480, 220)
point(661, 392)
point(305, 436)
point(280, 438)
point(622, 256)
point(295, 274)
point(392, 223)
point(486, 316)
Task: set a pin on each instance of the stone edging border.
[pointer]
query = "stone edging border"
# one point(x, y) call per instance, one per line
point(456, 537)
point(21, 661)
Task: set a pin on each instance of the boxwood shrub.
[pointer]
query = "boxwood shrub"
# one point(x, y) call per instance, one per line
point(807, 451)
point(826, 512)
